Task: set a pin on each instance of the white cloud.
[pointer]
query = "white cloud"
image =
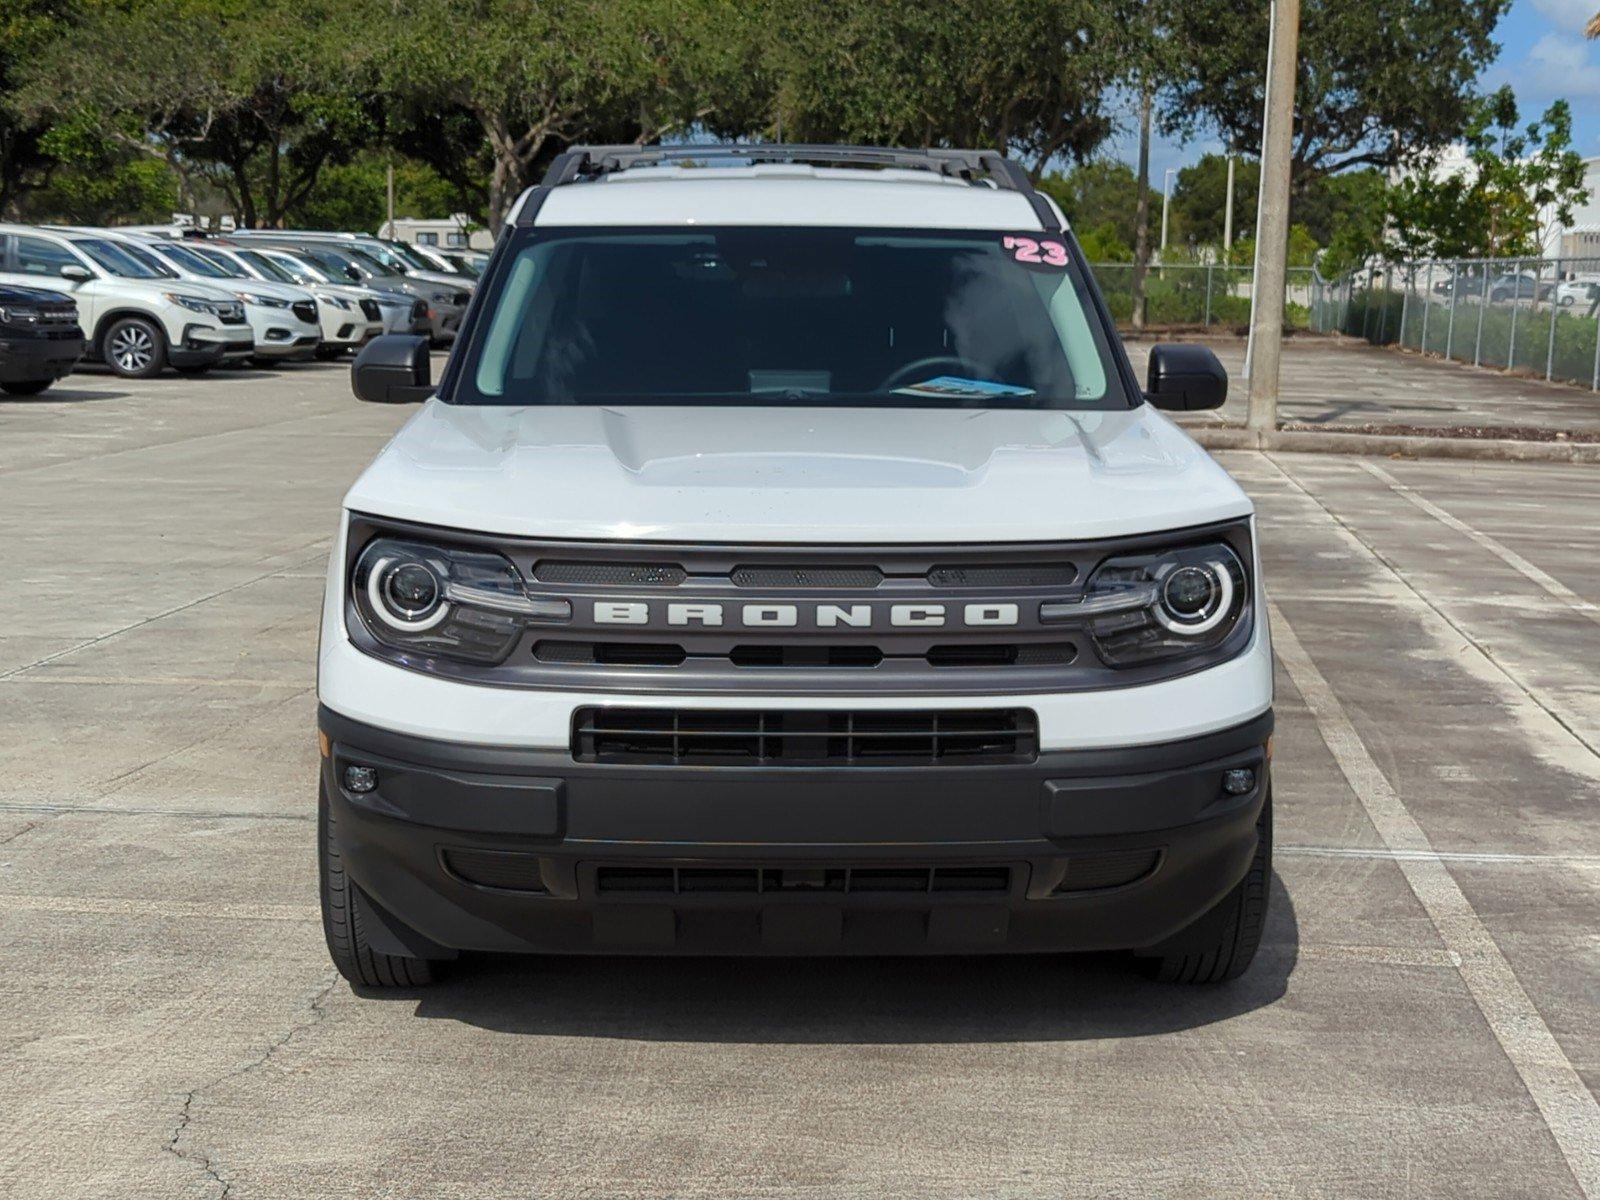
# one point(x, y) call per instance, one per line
point(1572, 69)
point(1568, 14)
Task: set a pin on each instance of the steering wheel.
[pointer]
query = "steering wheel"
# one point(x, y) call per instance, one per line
point(923, 368)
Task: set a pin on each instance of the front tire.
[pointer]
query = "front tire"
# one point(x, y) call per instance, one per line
point(135, 348)
point(341, 920)
point(25, 387)
point(1221, 944)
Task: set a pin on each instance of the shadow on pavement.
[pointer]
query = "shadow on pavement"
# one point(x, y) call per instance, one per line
point(848, 1000)
point(62, 395)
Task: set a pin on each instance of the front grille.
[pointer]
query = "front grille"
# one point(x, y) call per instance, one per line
point(65, 315)
point(804, 655)
point(1005, 576)
point(799, 880)
point(232, 315)
point(779, 738)
point(305, 310)
point(419, 310)
point(371, 311)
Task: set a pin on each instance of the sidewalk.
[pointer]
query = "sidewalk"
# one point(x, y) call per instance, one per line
point(1341, 384)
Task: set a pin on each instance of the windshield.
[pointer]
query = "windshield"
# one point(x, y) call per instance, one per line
point(408, 256)
point(298, 270)
point(127, 261)
point(867, 317)
point(193, 261)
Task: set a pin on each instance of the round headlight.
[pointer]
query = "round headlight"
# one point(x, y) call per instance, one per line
point(1195, 598)
point(406, 593)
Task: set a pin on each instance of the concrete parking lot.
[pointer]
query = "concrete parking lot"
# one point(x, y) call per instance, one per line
point(1341, 383)
point(1421, 1020)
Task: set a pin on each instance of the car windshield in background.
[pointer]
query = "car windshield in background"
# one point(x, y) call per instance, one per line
point(126, 261)
point(195, 262)
point(864, 317)
point(298, 269)
point(408, 257)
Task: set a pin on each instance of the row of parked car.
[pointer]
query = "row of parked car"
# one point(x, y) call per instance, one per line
point(144, 299)
point(1521, 286)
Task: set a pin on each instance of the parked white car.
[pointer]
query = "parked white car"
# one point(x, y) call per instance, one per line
point(283, 317)
point(1577, 292)
point(384, 311)
point(137, 319)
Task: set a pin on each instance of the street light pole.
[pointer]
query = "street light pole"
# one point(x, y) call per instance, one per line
point(1272, 223)
point(1227, 212)
point(1166, 203)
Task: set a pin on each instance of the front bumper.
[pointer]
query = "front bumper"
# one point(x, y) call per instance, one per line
point(202, 344)
point(465, 847)
point(26, 358)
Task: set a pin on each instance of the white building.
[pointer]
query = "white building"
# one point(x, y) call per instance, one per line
point(1581, 238)
point(455, 232)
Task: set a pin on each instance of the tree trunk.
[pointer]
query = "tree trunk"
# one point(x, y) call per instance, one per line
point(1141, 209)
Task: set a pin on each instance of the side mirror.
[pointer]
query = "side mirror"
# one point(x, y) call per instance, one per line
point(1184, 378)
point(393, 369)
point(353, 275)
point(76, 273)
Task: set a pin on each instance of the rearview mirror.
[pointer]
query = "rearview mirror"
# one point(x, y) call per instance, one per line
point(393, 369)
point(76, 273)
point(1184, 378)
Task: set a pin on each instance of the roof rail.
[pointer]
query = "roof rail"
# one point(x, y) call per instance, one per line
point(582, 163)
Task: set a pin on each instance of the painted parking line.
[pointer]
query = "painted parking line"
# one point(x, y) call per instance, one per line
point(1569, 1109)
point(1485, 858)
point(1552, 586)
point(129, 906)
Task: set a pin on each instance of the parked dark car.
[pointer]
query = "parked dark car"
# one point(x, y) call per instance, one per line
point(1517, 287)
point(40, 340)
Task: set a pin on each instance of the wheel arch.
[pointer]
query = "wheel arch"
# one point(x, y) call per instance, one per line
point(116, 314)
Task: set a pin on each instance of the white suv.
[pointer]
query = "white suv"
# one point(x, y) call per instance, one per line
point(283, 318)
point(788, 562)
point(137, 319)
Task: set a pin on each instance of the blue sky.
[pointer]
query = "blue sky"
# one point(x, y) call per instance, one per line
point(1543, 55)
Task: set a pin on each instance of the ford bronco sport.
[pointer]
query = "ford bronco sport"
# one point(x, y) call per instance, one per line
point(788, 562)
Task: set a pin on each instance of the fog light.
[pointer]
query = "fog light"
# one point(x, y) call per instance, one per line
point(360, 779)
point(1240, 781)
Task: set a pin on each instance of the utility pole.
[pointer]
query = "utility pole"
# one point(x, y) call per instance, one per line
point(1227, 212)
point(1166, 203)
point(388, 183)
point(1272, 221)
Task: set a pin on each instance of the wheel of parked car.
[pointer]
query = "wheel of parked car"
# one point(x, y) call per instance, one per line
point(342, 925)
point(135, 347)
point(1498, 295)
point(1219, 946)
point(25, 387)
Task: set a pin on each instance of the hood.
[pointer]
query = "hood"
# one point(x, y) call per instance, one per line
point(263, 287)
point(801, 475)
point(11, 294)
point(459, 282)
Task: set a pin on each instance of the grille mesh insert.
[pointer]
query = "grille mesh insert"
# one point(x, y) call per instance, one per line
point(604, 573)
point(799, 880)
point(807, 577)
point(754, 737)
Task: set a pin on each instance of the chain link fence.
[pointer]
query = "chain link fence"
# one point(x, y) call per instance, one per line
point(1538, 316)
point(1204, 295)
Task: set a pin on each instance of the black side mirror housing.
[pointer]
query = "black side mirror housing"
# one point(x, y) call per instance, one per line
point(393, 369)
point(1185, 378)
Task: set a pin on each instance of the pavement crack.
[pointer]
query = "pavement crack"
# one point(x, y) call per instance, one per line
point(15, 834)
point(182, 1146)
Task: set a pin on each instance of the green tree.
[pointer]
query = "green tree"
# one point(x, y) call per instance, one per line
point(1200, 196)
point(1101, 194)
point(1031, 76)
point(1495, 208)
point(539, 75)
point(27, 28)
point(1378, 81)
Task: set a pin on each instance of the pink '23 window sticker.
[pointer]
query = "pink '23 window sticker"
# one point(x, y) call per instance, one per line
point(1036, 252)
